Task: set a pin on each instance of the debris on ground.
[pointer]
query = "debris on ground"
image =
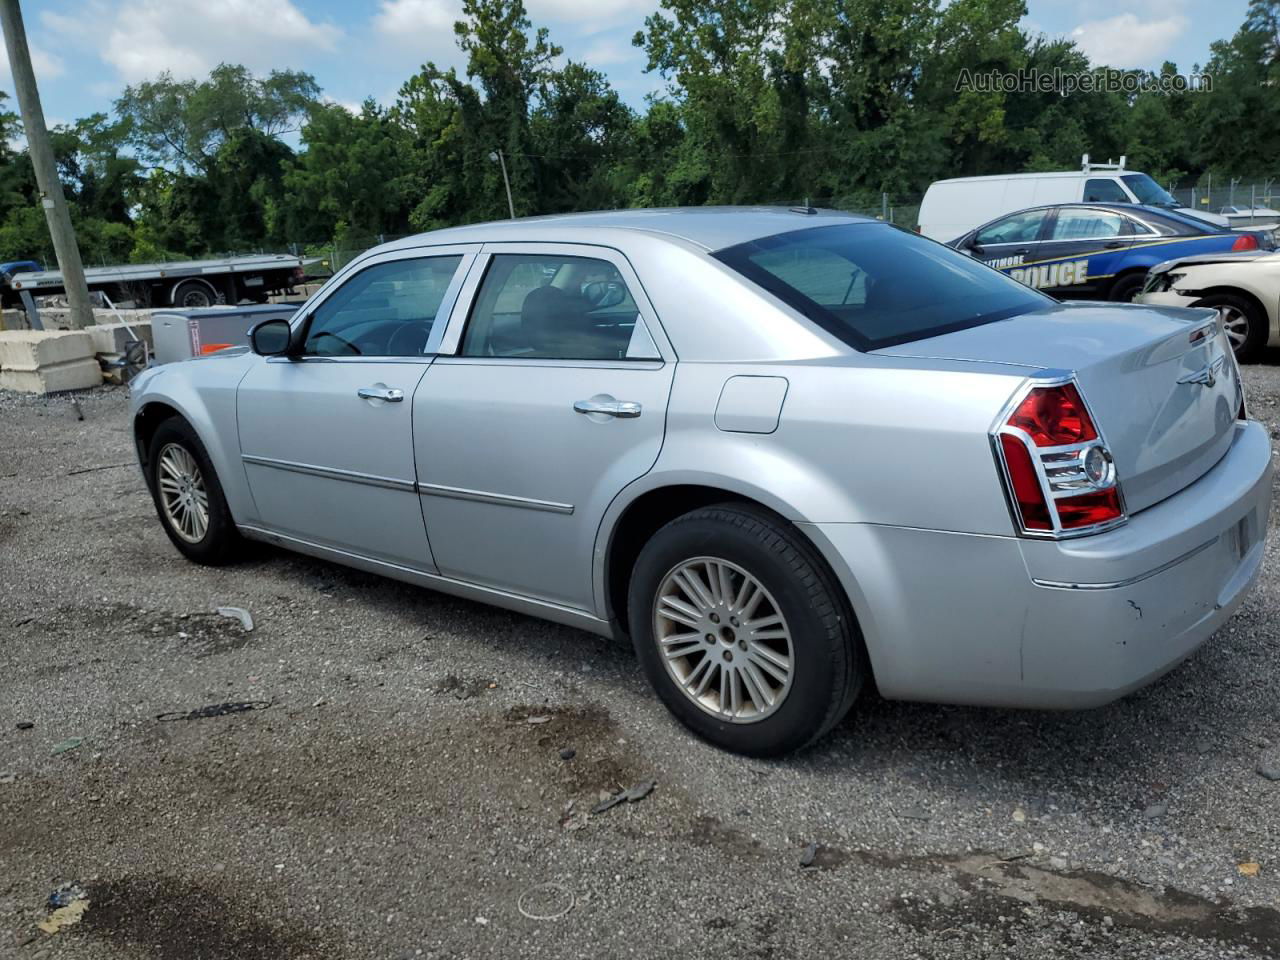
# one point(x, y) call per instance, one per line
point(1269, 765)
point(540, 718)
point(8, 776)
point(1249, 869)
point(546, 901)
point(568, 753)
point(236, 613)
point(911, 813)
point(215, 710)
point(25, 724)
point(630, 795)
point(68, 744)
point(67, 906)
point(1156, 810)
point(463, 689)
point(809, 855)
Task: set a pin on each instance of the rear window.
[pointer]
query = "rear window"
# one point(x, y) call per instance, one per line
point(873, 285)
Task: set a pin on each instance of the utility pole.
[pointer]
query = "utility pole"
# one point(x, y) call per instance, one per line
point(46, 170)
point(497, 155)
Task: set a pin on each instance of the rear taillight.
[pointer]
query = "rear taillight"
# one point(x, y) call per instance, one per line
point(1246, 241)
point(1060, 475)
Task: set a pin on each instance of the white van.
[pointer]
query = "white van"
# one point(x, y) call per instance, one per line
point(952, 208)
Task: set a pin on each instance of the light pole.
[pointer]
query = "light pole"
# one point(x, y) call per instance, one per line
point(46, 170)
point(497, 155)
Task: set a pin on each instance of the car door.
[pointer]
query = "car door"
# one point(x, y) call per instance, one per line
point(326, 436)
point(1010, 242)
point(553, 400)
point(1081, 250)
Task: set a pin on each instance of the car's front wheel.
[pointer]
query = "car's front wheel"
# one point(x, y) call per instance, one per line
point(742, 631)
point(1245, 324)
point(188, 496)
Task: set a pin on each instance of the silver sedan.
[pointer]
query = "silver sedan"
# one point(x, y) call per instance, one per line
point(789, 453)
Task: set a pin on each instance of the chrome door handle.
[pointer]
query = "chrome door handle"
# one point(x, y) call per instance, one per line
point(389, 394)
point(622, 409)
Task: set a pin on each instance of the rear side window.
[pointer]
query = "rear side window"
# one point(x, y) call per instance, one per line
point(873, 285)
point(1076, 224)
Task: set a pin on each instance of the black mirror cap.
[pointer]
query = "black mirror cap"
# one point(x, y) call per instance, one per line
point(271, 338)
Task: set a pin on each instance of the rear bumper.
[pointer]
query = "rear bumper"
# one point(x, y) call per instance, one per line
point(1012, 622)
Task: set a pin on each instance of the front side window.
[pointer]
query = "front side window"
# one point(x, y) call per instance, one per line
point(1148, 191)
point(1087, 225)
point(1018, 228)
point(553, 307)
point(1104, 191)
point(386, 310)
point(873, 285)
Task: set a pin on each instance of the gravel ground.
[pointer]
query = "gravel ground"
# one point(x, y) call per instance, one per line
point(401, 791)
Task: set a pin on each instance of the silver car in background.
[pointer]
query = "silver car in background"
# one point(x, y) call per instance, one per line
point(788, 453)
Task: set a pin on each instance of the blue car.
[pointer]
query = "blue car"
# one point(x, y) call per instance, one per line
point(1097, 251)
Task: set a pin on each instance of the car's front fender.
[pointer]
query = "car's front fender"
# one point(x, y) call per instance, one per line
point(203, 392)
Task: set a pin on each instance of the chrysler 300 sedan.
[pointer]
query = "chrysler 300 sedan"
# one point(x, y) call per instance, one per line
point(789, 453)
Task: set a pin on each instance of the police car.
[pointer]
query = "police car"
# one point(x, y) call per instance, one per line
point(1095, 250)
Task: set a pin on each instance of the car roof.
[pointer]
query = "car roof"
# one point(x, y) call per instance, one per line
point(1143, 210)
point(712, 228)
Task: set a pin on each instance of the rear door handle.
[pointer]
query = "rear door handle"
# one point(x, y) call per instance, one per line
point(389, 394)
point(622, 409)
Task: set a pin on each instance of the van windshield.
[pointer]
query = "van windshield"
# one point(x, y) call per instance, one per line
point(873, 285)
point(1148, 191)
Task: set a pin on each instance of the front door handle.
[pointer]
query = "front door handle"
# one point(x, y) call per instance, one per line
point(622, 409)
point(389, 394)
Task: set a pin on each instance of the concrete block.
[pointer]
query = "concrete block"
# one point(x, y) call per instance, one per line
point(68, 375)
point(43, 361)
point(115, 337)
point(13, 320)
point(33, 349)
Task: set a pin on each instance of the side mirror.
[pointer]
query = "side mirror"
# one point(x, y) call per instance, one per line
point(972, 245)
point(271, 338)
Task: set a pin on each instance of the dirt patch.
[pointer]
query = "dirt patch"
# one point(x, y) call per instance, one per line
point(998, 890)
point(171, 919)
point(711, 832)
point(599, 762)
point(464, 688)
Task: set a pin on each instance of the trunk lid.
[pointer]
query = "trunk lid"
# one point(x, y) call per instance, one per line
point(1159, 382)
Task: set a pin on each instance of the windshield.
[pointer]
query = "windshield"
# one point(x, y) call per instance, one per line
point(873, 285)
point(1148, 191)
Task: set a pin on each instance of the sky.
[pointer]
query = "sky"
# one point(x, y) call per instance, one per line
point(86, 51)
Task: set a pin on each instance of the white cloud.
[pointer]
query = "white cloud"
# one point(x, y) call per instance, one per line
point(46, 65)
point(1128, 40)
point(141, 38)
point(596, 12)
point(412, 21)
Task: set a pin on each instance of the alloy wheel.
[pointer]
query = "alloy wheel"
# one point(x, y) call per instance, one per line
point(723, 639)
point(1236, 324)
point(183, 496)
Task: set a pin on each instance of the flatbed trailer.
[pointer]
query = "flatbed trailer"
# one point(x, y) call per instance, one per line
point(185, 284)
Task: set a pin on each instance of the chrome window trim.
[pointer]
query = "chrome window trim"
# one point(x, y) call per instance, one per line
point(551, 362)
point(330, 473)
point(468, 252)
point(999, 427)
point(500, 499)
point(461, 314)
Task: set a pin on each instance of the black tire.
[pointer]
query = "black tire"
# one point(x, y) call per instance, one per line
point(1250, 348)
point(828, 659)
point(1126, 287)
point(221, 542)
point(192, 293)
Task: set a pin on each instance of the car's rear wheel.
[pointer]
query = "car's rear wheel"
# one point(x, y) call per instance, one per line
point(742, 631)
point(188, 496)
point(1245, 324)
